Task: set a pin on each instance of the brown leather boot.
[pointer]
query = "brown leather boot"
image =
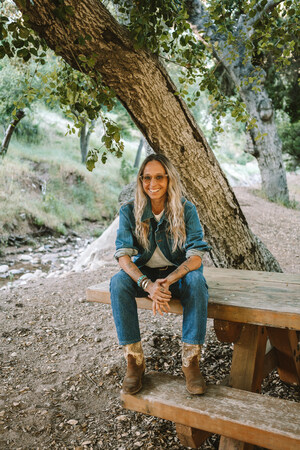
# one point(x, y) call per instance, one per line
point(132, 382)
point(195, 383)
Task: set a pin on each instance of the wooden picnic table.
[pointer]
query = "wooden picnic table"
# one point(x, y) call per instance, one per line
point(260, 313)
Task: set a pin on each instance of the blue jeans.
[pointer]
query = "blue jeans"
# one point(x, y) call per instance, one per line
point(191, 290)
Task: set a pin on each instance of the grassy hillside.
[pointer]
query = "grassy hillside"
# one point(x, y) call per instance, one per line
point(44, 184)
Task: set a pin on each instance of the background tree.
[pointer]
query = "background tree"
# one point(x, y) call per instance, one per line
point(242, 36)
point(284, 89)
point(13, 84)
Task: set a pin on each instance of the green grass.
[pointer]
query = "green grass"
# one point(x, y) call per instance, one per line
point(45, 185)
point(291, 204)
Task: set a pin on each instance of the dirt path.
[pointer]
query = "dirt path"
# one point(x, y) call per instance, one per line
point(61, 368)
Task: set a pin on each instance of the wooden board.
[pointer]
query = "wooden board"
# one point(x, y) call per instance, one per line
point(258, 419)
point(211, 273)
point(268, 306)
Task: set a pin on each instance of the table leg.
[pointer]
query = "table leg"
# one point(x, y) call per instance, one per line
point(288, 353)
point(247, 370)
point(191, 437)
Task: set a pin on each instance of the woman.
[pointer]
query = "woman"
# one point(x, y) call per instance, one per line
point(161, 231)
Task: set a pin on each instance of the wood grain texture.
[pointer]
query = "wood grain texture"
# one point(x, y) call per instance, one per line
point(258, 419)
point(260, 298)
point(191, 437)
point(287, 349)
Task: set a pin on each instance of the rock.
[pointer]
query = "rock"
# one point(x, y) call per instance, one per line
point(93, 257)
point(31, 276)
point(4, 268)
point(72, 422)
point(16, 271)
point(122, 418)
point(25, 258)
point(127, 193)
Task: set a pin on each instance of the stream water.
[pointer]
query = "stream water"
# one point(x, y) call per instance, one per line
point(48, 257)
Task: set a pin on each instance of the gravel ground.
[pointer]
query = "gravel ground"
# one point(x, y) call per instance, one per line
point(61, 369)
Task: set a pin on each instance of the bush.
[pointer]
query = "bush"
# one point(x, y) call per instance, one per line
point(290, 136)
point(27, 131)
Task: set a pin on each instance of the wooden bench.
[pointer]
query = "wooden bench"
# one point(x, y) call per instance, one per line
point(221, 410)
point(249, 309)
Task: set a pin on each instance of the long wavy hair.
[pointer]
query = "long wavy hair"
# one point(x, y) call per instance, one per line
point(174, 209)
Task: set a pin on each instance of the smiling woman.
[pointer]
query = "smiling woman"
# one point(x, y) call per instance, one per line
point(155, 184)
point(161, 231)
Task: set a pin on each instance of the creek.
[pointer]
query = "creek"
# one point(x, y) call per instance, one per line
point(44, 257)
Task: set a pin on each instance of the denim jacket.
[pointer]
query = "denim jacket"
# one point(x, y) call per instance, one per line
point(127, 244)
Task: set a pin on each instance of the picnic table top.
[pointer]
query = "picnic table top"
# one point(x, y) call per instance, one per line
point(261, 298)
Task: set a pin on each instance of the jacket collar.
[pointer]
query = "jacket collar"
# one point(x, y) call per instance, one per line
point(148, 214)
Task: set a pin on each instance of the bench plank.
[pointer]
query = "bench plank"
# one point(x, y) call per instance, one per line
point(274, 304)
point(258, 419)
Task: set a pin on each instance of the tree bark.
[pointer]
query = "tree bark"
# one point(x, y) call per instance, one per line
point(138, 154)
point(268, 149)
point(9, 132)
point(147, 92)
point(85, 139)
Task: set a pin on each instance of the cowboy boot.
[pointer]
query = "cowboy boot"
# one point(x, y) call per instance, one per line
point(134, 356)
point(195, 383)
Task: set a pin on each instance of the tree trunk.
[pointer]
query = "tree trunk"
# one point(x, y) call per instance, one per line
point(85, 139)
point(145, 89)
point(267, 150)
point(9, 132)
point(138, 154)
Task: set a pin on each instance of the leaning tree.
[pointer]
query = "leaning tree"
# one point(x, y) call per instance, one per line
point(89, 39)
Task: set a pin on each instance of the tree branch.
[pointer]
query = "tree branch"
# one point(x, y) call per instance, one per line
point(260, 12)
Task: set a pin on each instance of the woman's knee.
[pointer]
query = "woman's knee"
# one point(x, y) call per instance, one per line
point(121, 282)
point(194, 279)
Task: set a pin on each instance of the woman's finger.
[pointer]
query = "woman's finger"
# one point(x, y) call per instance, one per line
point(163, 300)
point(154, 307)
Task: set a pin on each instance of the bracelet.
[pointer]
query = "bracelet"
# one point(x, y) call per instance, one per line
point(145, 283)
point(140, 280)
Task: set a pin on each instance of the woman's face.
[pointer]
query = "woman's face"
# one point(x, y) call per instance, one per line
point(155, 181)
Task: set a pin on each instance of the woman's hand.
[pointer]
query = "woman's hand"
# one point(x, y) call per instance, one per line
point(160, 296)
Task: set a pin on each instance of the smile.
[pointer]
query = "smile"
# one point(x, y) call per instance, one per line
point(153, 190)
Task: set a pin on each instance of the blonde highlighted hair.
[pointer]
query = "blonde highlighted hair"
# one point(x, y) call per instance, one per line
point(174, 209)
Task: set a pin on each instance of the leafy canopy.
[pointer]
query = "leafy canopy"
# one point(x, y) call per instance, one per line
point(250, 30)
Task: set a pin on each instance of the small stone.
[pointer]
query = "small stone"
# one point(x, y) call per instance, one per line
point(16, 271)
point(122, 418)
point(86, 442)
point(72, 422)
point(25, 258)
point(13, 355)
point(4, 268)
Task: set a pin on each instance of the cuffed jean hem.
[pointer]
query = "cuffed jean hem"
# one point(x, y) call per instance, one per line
point(129, 342)
point(186, 341)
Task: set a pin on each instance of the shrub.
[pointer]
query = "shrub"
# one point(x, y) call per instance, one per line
point(290, 136)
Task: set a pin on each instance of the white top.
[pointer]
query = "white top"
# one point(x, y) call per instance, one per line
point(158, 259)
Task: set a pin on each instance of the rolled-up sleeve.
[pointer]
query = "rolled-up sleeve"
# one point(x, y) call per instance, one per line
point(194, 244)
point(125, 240)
